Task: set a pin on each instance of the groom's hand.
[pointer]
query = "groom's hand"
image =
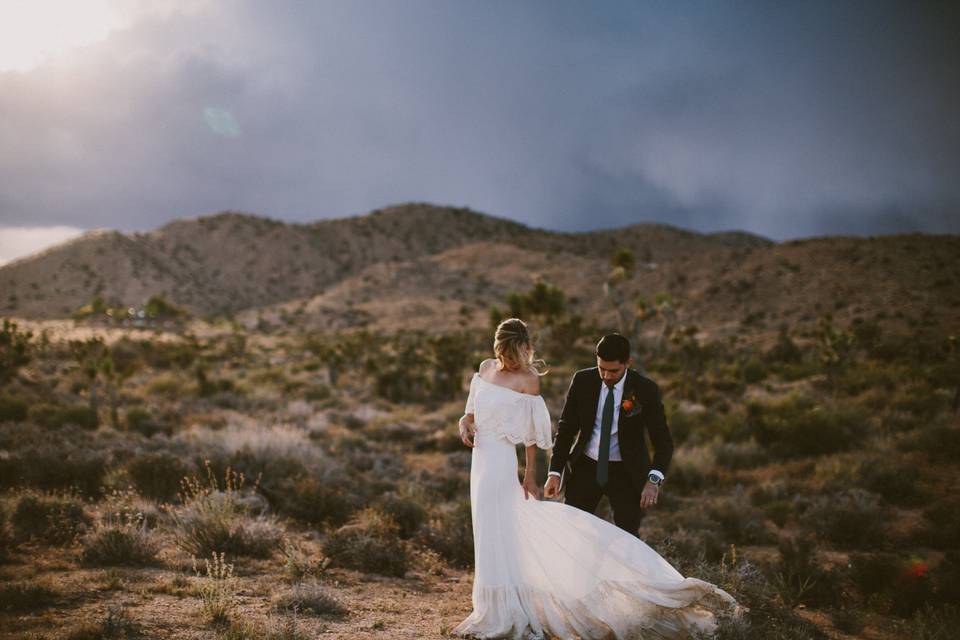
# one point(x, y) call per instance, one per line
point(552, 488)
point(649, 496)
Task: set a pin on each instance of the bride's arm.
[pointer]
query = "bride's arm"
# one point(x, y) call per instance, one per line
point(530, 486)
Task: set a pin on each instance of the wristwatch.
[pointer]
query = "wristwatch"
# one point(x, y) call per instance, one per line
point(654, 478)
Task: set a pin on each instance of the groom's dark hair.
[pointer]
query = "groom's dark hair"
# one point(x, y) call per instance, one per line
point(614, 346)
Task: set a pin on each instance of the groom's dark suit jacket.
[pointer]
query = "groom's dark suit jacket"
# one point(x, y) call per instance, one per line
point(579, 414)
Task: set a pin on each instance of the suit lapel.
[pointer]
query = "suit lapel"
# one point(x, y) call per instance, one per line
point(627, 389)
point(590, 401)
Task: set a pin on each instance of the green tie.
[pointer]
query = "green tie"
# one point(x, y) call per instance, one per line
point(606, 426)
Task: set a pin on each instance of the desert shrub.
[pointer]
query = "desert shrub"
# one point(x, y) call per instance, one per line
point(935, 623)
point(12, 409)
point(157, 475)
point(406, 511)
point(797, 426)
point(21, 596)
point(765, 617)
point(298, 564)
point(943, 524)
point(890, 583)
point(142, 421)
point(54, 416)
point(48, 467)
point(16, 349)
point(115, 625)
point(740, 522)
point(217, 590)
point(54, 519)
point(864, 376)
point(310, 598)
point(873, 573)
point(276, 465)
point(798, 576)
point(850, 518)
point(168, 385)
point(213, 519)
point(449, 532)
point(312, 499)
point(754, 370)
point(120, 541)
point(940, 440)
point(446, 484)
point(740, 455)
point(6, 534)
point(371, 543)
point(919, 399)
point(886, 477)
point(316, 392)
point(946, 578)
point(847, 619)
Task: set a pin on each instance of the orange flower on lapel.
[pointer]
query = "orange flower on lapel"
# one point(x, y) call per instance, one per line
point(630, 406)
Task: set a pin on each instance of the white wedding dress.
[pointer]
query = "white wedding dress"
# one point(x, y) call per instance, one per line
point(544, 567)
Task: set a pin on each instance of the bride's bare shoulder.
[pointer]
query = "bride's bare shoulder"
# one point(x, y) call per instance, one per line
point(486, 366)
point(531, 382)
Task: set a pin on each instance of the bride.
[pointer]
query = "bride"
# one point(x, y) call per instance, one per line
point(546, 568)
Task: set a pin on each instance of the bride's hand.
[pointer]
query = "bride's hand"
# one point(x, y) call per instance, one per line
point(530, 487)
point(467, 431)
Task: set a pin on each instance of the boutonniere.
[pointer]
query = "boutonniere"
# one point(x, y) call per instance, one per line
point(630, 406)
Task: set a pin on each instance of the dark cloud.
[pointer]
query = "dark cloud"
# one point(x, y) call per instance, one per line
point(784, 120)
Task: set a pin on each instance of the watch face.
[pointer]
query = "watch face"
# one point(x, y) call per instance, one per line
point(654, 479)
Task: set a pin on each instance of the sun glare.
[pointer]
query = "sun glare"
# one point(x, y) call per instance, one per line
point(35, 31)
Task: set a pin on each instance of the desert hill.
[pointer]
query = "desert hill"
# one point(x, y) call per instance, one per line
point(227, 262)
point(423, 266)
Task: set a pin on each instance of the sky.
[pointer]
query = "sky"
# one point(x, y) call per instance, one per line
point(786, 119)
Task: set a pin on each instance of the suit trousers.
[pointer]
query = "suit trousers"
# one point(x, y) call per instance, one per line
point(584, 493)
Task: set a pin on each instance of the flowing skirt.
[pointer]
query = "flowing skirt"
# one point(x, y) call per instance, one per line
point(544, 567)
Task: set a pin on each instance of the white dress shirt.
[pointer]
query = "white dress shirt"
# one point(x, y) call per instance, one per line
point(592, 450)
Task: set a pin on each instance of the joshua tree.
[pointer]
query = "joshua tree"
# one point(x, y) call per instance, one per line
point(631, 317)
point(836, 348)
point(15, 350)
point(92, 355)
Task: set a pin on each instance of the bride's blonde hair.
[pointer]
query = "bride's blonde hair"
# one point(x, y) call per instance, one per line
point(512, 346)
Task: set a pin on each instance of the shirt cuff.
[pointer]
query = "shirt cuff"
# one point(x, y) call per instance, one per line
point(554, 473)
point(657, 473)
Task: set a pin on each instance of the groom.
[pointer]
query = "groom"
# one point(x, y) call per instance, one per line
point(600, 441)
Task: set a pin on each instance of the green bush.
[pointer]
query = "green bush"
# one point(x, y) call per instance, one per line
point(449, 532)
point(119, 543)
point(49, 518)
point(56, 416)
point(405, 511)
point(893, 479)
point(797, 426)
point(214, 519)
point(12, 409)
point(26, 596)
point(370, 544)
point(312, 599)
point(935, 623)
point(51, 467)
point(850, 518)
point(157, 475)
point(313, 500)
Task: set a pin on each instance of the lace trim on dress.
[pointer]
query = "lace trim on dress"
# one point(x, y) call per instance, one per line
point(527, 420)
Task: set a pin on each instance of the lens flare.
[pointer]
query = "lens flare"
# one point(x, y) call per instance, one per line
point(221, 122)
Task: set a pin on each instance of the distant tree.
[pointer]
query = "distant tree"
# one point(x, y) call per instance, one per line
point(836, 348)
point(92, 356)
point(632, 316)
point(160, 308)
